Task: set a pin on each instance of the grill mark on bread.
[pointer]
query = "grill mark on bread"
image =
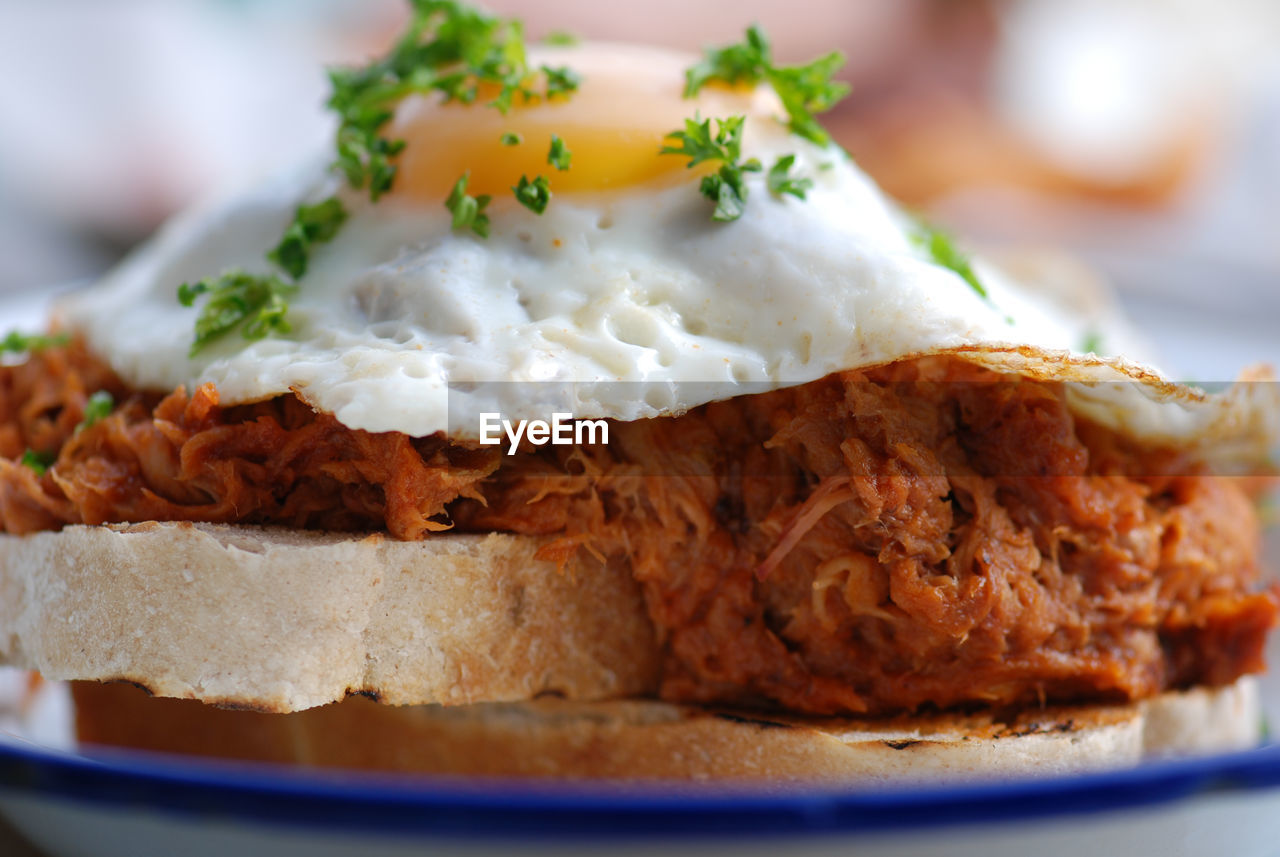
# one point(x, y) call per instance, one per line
point(903, 744)
point(752, 720)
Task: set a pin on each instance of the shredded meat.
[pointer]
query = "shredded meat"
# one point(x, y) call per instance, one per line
point(184, 458)
point(926, 534)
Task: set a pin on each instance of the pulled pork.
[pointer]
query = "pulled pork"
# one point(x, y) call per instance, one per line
point(184, 458)
point(924, 534)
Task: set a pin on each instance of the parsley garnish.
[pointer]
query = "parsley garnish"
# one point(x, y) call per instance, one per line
point(253, 302)
point(561, 80)
point(560, 38)
point(1092, 342)
point(809, 89)
point(780, 180)
point(17, 342)
point(312, 224)
point(943, 251)
point(697, 142)
point(97, 407)
point(744, 62)
point(256, 302)
point(805, 90)
point(559, 155)
point(533, 195)
point(510, 138)
point(40, 462)
point(467, 210)
point(448, 48)
point(726, 187)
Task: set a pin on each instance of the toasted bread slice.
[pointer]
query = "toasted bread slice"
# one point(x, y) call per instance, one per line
point(282, 620)
point(641, 739)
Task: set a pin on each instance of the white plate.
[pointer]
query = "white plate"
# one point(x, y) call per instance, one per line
point(139, 805)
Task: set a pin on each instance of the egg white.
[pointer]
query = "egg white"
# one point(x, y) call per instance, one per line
point(626, 304)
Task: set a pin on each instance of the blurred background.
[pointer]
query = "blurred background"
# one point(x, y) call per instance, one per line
point(1140, 135)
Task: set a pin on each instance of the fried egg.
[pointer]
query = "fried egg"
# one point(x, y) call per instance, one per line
point(623, 299)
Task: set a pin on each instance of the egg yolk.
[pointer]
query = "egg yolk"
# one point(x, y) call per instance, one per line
point(614, 125)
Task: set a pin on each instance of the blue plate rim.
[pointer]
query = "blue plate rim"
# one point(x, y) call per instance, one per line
point(365, 802)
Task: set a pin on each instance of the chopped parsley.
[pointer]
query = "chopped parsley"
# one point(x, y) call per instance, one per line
point(510, 138)
point(255, 303)
point(744, 62)
point(533, 195)
point(450, 48)
point(559, 155)
point(40, 462)
point(726, 187)
point(805, 90)
point(1092, 342)
point(808, 89)
point(97, 407)
point(467, 210)
point(780, 181)
point(312, 224)
point(943, 252)
point(447, 48)
point(17, 342)
point(561, 80)
point(561, 38)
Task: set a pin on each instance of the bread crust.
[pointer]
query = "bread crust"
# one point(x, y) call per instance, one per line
point(642, 739)
point(282, 620)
